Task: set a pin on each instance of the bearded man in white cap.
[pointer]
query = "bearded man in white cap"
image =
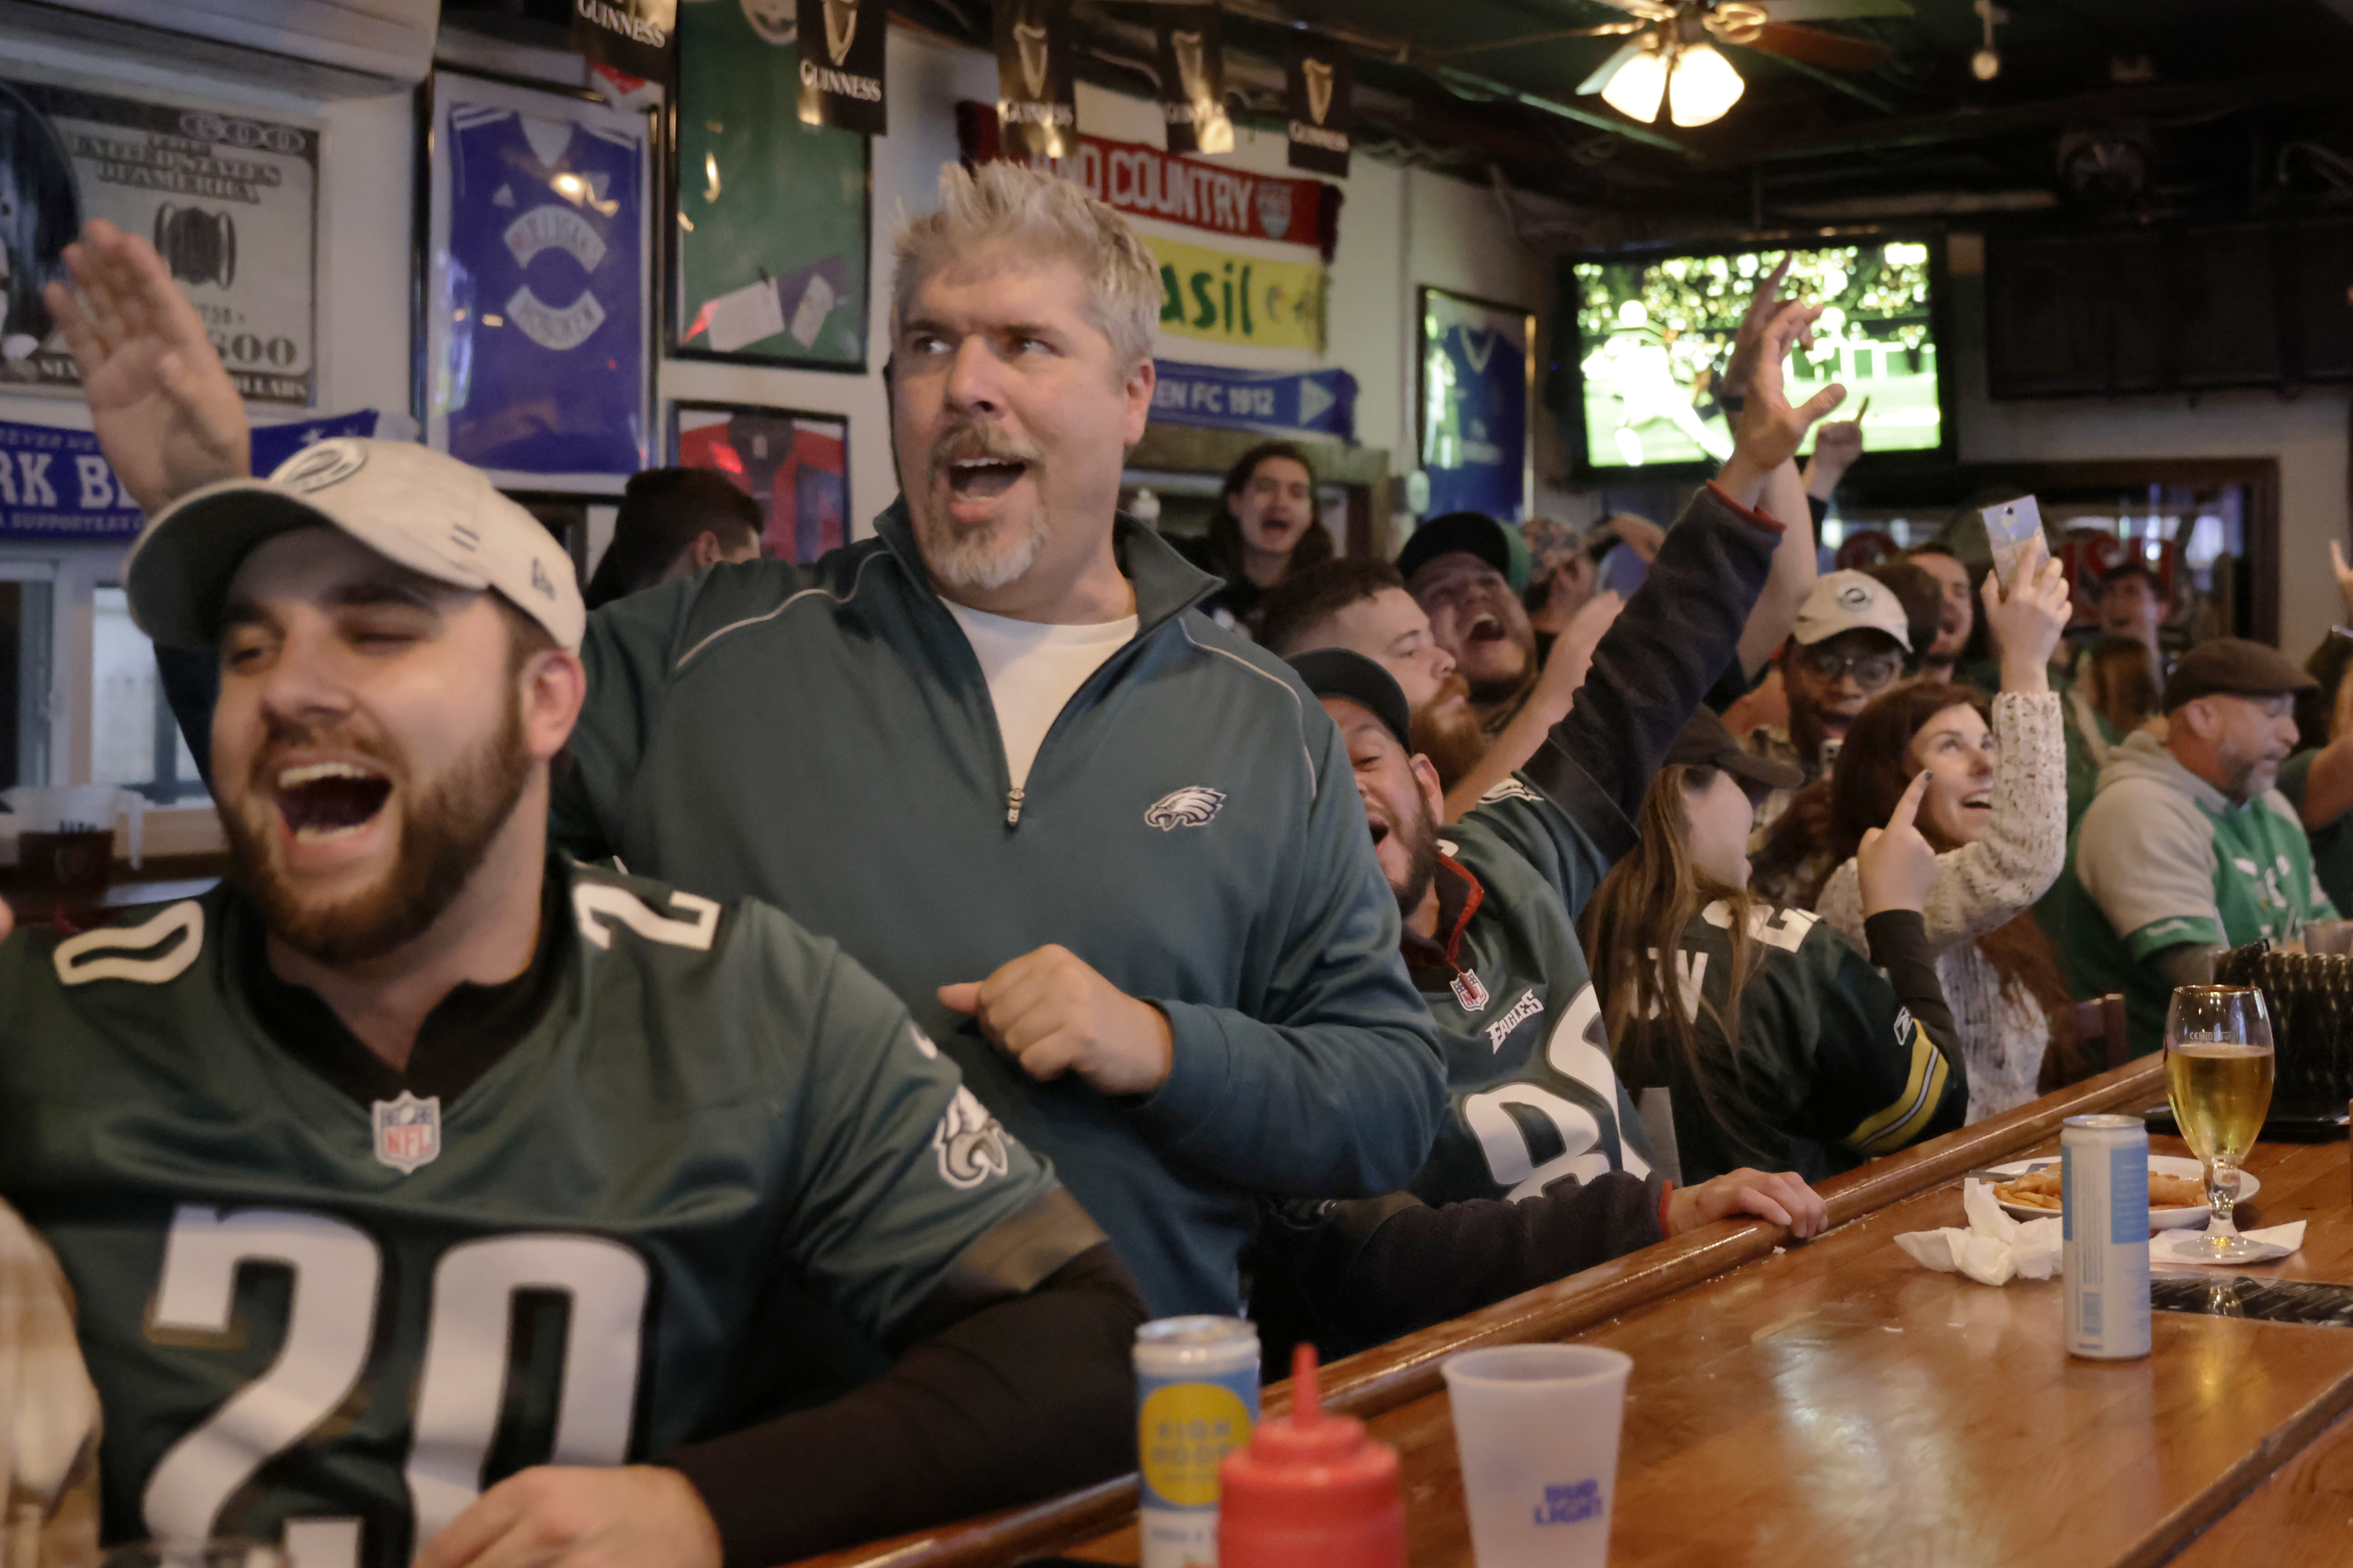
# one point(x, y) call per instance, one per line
point(428, 1198)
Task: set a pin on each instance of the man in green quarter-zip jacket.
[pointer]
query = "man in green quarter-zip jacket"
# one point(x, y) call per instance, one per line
point(1110, 857)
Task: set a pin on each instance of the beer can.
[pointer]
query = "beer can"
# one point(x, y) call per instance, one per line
point(2103, 1235)
point(1196, 1402)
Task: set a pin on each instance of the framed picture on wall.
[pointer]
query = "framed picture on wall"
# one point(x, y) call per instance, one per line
point(769, 258)
point(229, 196)
point(795, 465)
point(1475, 379)
point(535, 360)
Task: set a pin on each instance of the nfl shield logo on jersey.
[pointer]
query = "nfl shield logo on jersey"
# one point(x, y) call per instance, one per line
point(408, 1131)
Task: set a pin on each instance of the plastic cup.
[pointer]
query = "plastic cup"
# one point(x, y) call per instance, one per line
point(1535, 1432)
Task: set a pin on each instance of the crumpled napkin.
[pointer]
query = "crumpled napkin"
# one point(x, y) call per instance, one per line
point(1994, 1248)
point(2161, 1245)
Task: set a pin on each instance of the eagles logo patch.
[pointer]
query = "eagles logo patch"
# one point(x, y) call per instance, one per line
point(1191, 806)
point(970, 1143)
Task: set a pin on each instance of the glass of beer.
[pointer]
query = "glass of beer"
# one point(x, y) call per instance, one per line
point(2218, 1074)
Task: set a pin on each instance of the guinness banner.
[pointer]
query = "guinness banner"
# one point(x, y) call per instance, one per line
point(1321, 90)
point(636, 36)
point(1144, 181)
point(1036, 111)
point(1193, 79)
point(841, 44)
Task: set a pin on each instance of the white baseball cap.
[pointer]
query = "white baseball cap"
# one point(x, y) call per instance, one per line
point(429, 512)
point(1844, 600)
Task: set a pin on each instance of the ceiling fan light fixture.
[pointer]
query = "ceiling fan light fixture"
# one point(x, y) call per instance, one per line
point(1703, 86)
point(1610, 68)
point(1637, 85)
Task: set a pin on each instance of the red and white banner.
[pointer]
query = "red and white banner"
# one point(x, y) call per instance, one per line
point(1144, 181)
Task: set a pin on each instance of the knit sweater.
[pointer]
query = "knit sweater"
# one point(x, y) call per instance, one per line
point(1981, 887)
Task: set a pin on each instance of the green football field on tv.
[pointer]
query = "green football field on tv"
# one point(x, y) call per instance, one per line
point(1653, 336)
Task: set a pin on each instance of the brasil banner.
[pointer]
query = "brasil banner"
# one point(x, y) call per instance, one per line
point(1223, 298)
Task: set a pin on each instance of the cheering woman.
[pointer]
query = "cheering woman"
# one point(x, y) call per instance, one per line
point(1995, 811)
point(1780, 1043)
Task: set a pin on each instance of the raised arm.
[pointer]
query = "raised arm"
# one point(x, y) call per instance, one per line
point(167, 416)
point(1794, 571)
point(1982, 886)
point(1683, 624)
point(2328, 787)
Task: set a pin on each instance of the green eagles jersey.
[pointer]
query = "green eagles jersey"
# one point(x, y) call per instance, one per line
point(2332, 846)
point(2162, 859)
point(1532, 1097)
point(1832, 1068)
point(311, 1323)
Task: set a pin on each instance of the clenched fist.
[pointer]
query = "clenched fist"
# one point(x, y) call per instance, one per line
point(1052, 1013)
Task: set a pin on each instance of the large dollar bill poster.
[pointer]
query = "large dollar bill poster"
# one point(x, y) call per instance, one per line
point(773, 214)
point(231, 199)
point(537, 359)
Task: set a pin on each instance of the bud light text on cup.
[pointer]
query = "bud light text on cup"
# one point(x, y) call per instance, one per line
point(1570, 1504)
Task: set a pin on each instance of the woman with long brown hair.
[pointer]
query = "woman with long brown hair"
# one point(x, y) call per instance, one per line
point(1780, 1045)
point(1265, 528)
point(1995, 811)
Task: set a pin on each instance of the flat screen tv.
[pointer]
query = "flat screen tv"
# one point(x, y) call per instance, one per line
point(1646, 336)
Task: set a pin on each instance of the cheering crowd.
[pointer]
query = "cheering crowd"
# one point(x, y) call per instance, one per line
point(722, 1077)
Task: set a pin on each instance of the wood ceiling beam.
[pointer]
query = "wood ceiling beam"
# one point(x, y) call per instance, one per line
point(1966, 125)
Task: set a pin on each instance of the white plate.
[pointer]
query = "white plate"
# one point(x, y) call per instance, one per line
point(2158, 1165)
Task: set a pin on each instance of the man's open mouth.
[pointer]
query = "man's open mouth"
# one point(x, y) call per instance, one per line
point(321, 801)
point(984, 478)
point(1486, 628)
point(1380, 829)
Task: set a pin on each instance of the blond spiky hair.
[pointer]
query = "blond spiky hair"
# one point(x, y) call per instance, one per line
point(1042, 218)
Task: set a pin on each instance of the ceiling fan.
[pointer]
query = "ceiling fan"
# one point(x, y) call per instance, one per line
point(1669, 56)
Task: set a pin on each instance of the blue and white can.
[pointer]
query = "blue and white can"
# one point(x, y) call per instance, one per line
point(2104, 1233)
point(1196, 1402)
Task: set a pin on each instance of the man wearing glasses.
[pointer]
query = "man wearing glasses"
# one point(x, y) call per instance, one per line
point(1849, 645)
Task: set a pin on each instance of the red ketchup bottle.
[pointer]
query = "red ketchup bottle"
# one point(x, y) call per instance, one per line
point(1311, 1490)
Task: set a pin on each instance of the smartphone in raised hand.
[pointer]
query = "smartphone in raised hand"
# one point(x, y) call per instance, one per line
point(2010, 528)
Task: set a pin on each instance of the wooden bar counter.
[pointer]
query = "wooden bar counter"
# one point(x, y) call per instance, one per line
point(1835, 1403)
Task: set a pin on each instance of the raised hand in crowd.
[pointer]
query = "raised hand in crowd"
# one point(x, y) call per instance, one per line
point(1748, 340)
point(1554, 692)
point(1052, 1013)
point(1896, 863)
point(1837, 445)
point(1638, 533)
point(167, 413)
point(2027, 623)
point(1782, 1198)
point(1770, 429)
point(2344, 577)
